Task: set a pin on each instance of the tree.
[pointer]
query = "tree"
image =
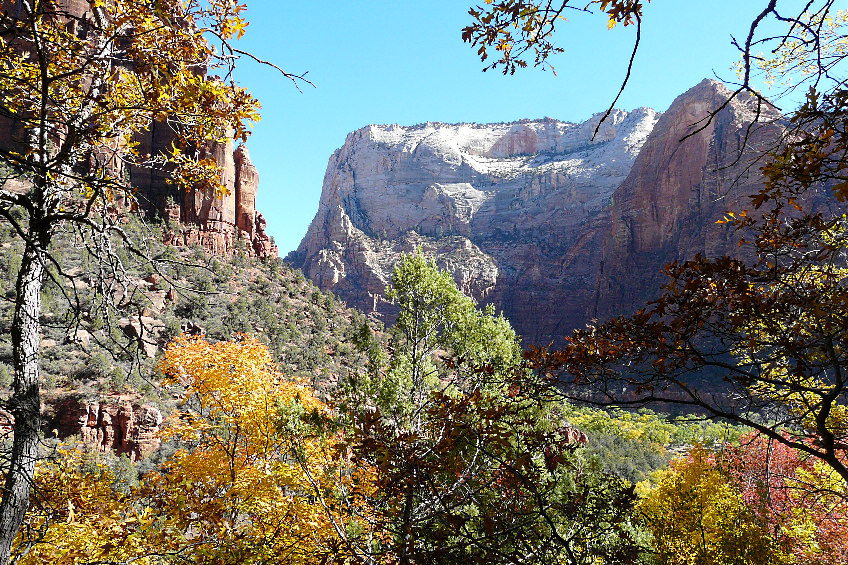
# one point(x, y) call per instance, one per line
point(78, 516)
point(522, 30)
point(802, 500)
point(240, 487)
point(697, 517)
point(759, 343)
point(76, 90)
point(770, 331)
point(467, 467)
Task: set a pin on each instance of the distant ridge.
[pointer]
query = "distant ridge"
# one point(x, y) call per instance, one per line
point(535, 216)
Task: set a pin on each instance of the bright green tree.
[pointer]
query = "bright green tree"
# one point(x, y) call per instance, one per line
point(437, 322)
point(468, 467)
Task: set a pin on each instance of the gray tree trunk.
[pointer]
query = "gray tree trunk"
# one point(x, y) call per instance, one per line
point(25, 403)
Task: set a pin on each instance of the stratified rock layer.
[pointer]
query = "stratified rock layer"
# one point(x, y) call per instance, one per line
point(122, 427)
point(515, 211)
point(551, 225)
point(213, 221)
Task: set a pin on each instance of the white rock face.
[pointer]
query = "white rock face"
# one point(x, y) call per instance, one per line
point(553, 226)
point(500, 205)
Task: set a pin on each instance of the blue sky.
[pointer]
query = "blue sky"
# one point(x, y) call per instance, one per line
point(403, 61)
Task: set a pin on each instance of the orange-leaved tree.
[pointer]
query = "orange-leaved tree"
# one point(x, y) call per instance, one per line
point(241, 488)
point(80, 84)
point(759, 338)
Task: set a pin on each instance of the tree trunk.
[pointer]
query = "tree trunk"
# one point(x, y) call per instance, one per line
point(25, 403)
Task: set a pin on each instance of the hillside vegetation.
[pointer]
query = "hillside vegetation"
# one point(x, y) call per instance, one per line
point(296, 430)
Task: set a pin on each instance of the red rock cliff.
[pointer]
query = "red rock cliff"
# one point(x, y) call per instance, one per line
point(554, 226)
point(122, 427)
point(217, 223)
point(666, 209)
point(196, 217)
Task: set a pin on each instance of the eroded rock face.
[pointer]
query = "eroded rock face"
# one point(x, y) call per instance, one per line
point(197, 217)
point(217, 222)
point(123, 427)
point(687, 175)
point(512, 210)
point(559, 228)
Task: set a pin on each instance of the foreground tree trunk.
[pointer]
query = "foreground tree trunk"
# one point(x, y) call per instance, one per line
point(25, 403)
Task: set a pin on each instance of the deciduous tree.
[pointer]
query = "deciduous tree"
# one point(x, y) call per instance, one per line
point(802, 500)
point(697, 517)
point(76, 89)
point(78, 516)
point(468, 467)
point(759, 342)
point(241, 489)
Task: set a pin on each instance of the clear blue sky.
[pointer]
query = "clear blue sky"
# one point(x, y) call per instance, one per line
point(403, 61)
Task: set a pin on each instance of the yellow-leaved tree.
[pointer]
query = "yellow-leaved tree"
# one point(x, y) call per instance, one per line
point(241, 487)
point(79, 516)
point(255, 451)
point(697, 517)
point(82, 83)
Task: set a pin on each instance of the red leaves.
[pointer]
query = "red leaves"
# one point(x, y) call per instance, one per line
point(806, 509)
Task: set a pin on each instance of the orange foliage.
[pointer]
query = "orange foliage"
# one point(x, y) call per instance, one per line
point(243, 484)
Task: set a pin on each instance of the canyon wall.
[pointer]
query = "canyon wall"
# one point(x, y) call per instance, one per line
point(552, 225)
point(216, 222)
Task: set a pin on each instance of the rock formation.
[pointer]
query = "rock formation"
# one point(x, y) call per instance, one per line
point(216, 222)
point(123, 427)
point(551, 225)
point(689, 172)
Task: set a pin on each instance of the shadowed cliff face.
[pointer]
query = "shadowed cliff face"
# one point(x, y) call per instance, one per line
point(553, 227)
point(687, 175)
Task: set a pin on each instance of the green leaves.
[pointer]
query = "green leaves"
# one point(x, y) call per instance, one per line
point(469, 467)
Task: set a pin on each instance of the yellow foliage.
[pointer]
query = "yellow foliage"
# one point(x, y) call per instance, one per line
point(256, 479)
point(697, 518)
point(794, 58)
point(108, 91)
point(77, 516)
point(248, 484)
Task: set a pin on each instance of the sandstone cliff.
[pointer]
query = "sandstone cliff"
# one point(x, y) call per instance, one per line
point(552, 226)
point(516, 211)
point(215, 223)
point(690, 171)
point(197, 217)
point(120, 426)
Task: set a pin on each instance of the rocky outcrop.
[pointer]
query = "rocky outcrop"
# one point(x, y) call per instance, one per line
point(515, 211)
point(557, 227)
point(215, 221)
point(690, 171)
point(122, 427)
